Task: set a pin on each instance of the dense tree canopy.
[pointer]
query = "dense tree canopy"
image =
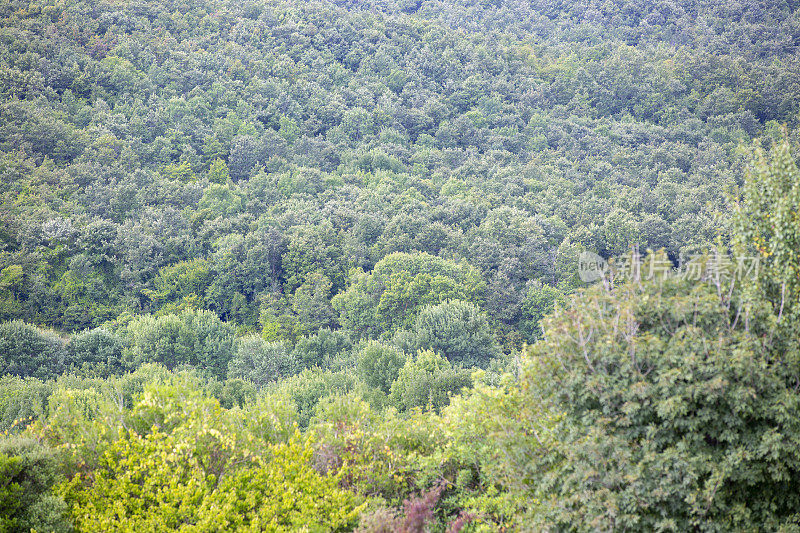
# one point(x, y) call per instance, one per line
point(676, 413)
point(245, 157)
point(275, 266)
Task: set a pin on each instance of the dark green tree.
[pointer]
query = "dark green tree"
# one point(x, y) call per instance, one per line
point(26, 350)
point(457, 330)
point(28, 473)
point(379, 365)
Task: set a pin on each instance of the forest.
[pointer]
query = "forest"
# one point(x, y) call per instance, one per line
point(316, 266)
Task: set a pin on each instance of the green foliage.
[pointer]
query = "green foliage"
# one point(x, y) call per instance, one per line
point(28, 474)
point(428, 380)
point(311, 303)
point(378, 365)
point(22, 400)
point(676, 412)
point(470, 450)
point(261, 362)
point(174, 489)
point(767, 224)
point(220, 200)
point(455, 329)
point(243, 268)
point(278, 493)
point(328, 349)
point(182, 172)
point(95, 350)
point(383, 454)
point(284, 494)
point(313, 264)
point(180, 281)
point(218, 172)
point(26, 350)
point(496, 438)
point(232, 392)
point(196, 338)
point(182, 465)
point(540, 300)
point(11, 288)
point(307, 388)
point(272, 417)
point(390, 296)
point(619, 233)
point(413, 173)
point(130, 184)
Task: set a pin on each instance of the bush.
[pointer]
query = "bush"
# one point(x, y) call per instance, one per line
point(378, 365)
point(182, 465)
point(285, 492)
point(26, 350)
point(418, 514)
point(22, 400)
point(678, 412)
point(28, 473)
point(95, 349)
point(232, 392)
point(196, 338)
point(260, 362)
point(428, 380)
point(309, 386)
point(457, 330)
point(327, 348)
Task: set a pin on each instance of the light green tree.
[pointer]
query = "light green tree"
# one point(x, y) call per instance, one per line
point(390, 296)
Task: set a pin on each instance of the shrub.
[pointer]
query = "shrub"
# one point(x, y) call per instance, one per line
point(26, 350)
point(285, 492)
point(232, 392)
point(309, 386)
point(428, 380)
point(21, 400)
point(95, 349)
point(378, 365)
point(185, 468)
point(196, 338)
point(327, 348)
point(457, 330)
point(679, 412)
point(260, 362)
point(28, 473)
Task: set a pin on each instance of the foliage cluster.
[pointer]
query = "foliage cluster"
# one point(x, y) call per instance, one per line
point(276, 164)
point(268, 266)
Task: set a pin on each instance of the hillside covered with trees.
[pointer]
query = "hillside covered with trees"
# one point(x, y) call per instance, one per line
point(267, 266)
